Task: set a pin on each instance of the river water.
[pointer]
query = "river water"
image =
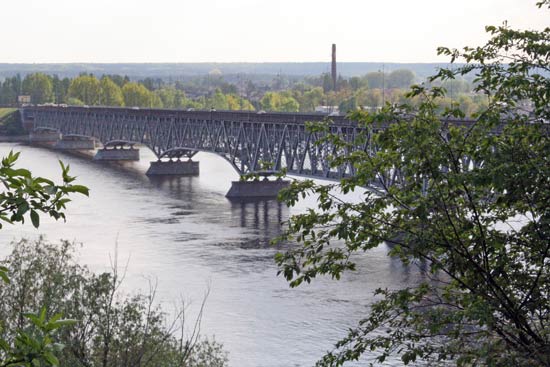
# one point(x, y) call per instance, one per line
point(184, 234)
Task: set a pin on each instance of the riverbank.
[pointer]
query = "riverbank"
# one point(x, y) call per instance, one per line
point(14, 138)
point(11, 127)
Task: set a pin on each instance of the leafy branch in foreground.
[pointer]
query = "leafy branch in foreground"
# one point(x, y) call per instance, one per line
point(472, 204)
point(35, 344)
point(27, 195)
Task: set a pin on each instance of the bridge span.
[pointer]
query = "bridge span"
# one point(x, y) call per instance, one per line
point(249, 141)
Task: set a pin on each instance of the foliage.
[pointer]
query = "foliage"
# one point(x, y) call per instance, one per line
point(172, 98)
point(110, 93)
point(39, 87)
point(60, 89)
point(279, 102)
point(74, 102)
point(25, 196)
point(32, 342)
point(470, 204)
point(283, 94)
point(400, 78)
point(86, 88)
point(113, 329)
point(218, 101)
point(34, 345)
point(376, 79)
point(11, 88)
point(136, 95)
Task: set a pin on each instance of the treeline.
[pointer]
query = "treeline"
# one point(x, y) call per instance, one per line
point(109, 90)
point(375, 89)
point(214, 91)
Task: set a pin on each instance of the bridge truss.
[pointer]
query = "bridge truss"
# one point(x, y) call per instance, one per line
point(249, 141)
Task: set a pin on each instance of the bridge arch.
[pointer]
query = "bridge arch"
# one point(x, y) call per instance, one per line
point(178, 153)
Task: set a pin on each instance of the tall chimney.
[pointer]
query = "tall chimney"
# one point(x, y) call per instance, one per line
point(333, 71)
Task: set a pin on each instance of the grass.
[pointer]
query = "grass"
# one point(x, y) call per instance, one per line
point(10, 122)
point(5, 112)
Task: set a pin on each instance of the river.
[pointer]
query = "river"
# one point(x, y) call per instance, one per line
point(183, 233)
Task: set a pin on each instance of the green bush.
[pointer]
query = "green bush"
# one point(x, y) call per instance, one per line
point(112, 329)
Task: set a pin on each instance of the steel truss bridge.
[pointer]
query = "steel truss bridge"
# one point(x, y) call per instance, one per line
point(249, 141)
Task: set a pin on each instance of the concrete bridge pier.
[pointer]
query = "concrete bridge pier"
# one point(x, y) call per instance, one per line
point(170, 163)
point(44, 136)
point(117, 154)
point(173, 168)
point(258, 188)
point(75, 143)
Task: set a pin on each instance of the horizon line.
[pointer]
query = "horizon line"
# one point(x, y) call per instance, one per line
point(218, 62)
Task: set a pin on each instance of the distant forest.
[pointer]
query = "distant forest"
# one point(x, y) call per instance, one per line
point(179, 71)
point(228, 86)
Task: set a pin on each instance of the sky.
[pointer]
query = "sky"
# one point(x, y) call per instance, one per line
point(105, 31)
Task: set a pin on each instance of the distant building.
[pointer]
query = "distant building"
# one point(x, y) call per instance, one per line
point(24, 99)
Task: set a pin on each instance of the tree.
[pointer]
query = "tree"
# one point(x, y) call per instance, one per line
point(110, 93)
point(470, 202)
point(33, 341)
point(311, 99)
point(279, 102)
point(39, 87)
point(358, 83)
point(372, 98)
point(118, 79)
point(136, 95)
point(237, 103)
point(113, 329)
point(401, 78)
point(376, 79)
point(11, 88)
point(86, 88)
point(218, 101)
point(60, 89)
point(171, 97)
point(348, 105)
point(154, 101)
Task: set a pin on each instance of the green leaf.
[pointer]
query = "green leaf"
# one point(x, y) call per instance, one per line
point(51, 359)
point(4, 274)
point(78, 188)
point(35, 218)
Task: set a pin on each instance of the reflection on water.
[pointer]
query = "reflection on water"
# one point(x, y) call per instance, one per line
point(186, 234)
point(265, 216)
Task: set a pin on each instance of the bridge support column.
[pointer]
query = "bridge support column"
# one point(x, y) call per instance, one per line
point(258, 189)
point(117, 154)
point(75, 144)
point(44, 136)
point(173, 168)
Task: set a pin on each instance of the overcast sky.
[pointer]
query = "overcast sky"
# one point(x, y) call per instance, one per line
point(35, 31)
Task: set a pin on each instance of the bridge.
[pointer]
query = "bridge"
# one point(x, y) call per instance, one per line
point(251, 142)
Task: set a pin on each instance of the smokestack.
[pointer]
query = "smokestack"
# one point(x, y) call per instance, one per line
point(333, 71)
